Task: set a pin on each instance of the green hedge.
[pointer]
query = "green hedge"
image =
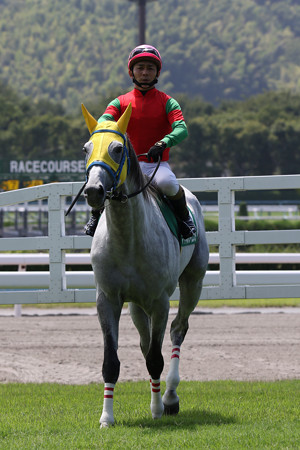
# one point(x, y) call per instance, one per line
point(259, 224)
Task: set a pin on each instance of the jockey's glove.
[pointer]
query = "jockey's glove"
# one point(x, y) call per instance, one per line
point(156, 151)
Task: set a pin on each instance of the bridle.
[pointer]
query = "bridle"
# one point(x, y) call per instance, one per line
point(116, 174)
point(123, 197)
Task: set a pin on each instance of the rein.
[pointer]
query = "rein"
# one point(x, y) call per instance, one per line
point(122, 197)
point(76, 198)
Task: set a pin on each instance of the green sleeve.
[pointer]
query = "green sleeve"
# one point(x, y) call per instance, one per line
point(179, 129)
point(178, 134)
point(112, 112)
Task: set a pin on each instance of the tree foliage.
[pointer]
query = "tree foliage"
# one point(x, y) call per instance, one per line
point(37, 130)
point(258, 136)
point(69, 51)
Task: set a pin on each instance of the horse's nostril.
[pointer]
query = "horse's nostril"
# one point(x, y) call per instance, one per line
point(94, 194)
point(94, 190)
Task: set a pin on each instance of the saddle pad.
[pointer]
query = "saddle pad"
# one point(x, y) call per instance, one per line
point(171, 220)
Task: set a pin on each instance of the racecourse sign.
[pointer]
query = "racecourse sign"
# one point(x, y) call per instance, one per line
point(15, 174)
point(46, 167)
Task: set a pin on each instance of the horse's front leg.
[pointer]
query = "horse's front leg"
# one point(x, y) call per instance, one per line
point(109, 316)
point(154, 358)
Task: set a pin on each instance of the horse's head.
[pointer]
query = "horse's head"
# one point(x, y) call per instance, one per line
point(107, 159)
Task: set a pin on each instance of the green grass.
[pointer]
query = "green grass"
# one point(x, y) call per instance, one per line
point(234, 303)
point(250, 303)
point(213, 415)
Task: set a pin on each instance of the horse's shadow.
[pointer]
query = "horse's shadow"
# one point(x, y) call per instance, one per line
point(185, 419)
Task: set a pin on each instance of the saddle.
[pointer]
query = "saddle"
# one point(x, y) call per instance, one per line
point(172, 221)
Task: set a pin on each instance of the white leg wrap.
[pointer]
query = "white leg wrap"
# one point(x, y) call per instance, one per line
point(107, 416)
point(157, 406)
point(173, 378)
point(170, 398)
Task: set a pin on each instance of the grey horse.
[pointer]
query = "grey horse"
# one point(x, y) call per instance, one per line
point(137, 259)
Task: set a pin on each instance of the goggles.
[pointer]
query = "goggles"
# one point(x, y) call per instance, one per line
point(139, 50)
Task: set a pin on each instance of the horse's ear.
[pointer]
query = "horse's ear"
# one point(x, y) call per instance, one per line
point(89, 119)
point(124, 119)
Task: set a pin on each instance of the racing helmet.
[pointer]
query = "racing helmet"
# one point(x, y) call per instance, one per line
point(147, 52)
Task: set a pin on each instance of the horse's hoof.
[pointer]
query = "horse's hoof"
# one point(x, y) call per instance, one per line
point(157, 411)
point(171, 410)
point(106, 420)
point(171, 402)
point(106, 425)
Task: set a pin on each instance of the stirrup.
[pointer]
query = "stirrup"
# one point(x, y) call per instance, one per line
point(187, 228)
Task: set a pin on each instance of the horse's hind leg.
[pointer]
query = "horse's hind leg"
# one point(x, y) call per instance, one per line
point(190, 290)
point(152, 329)
point(109, 316)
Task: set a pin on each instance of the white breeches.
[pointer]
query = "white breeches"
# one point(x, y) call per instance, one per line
point(164, 178)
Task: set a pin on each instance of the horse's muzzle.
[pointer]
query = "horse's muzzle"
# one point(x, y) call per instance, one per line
point(95, 196)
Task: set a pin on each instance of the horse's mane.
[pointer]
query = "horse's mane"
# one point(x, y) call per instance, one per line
point(136, 175)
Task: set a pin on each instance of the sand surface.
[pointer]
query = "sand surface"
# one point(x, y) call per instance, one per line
point(69, 348)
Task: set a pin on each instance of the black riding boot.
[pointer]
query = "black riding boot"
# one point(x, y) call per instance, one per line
point(91, 226)
point(186, 224)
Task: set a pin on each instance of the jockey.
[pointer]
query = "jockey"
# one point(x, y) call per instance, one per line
point(156, 124)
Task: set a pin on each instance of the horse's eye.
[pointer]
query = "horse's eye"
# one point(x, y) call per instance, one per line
point(118, 148)
point(87, 147)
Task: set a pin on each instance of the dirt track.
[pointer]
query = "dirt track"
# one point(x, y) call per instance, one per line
point(69, 349)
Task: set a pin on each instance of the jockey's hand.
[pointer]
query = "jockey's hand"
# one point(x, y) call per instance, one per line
point(156, 151)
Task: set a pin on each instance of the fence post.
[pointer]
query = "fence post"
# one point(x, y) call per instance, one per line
point(18, 307)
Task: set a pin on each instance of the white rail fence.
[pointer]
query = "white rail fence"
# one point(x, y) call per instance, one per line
point(85, 279)
point(61, 285)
